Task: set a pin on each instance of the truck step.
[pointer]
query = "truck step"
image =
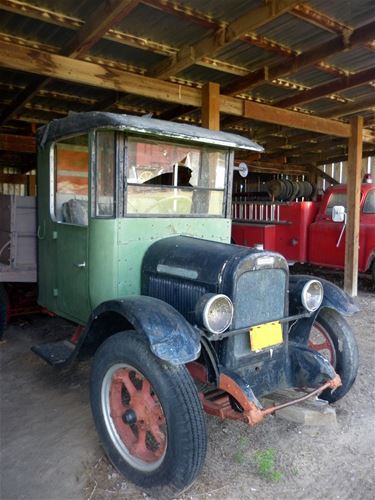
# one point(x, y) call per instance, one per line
point(55, 353)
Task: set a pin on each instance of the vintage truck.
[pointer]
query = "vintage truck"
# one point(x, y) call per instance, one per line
point(134, 230)
point(305, 231)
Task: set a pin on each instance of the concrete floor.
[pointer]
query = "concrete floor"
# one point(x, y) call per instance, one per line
point(46, 444)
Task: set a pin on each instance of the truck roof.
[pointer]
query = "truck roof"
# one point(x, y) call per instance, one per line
point(76, 123)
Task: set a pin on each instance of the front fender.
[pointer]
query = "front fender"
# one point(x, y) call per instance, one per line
point(334, 298)
point(171, 337)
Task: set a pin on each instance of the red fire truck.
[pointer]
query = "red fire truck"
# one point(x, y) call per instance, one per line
point(308, 231)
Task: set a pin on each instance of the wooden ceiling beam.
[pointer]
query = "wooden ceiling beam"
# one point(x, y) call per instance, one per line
point(82, 72)
point(360, 78)
point(336, 159)
point(318, 18)
point(184, 12)
point(273, 114)
point(106, 15)
point(213, 43)
point(350, 107)
point(359, 36)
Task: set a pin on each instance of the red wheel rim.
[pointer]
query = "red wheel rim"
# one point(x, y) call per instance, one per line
point(320, 341)
point(137, 417)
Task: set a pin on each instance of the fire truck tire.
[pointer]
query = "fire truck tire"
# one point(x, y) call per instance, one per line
point(342, 348)
point(148, 415)
point(373, 273)
point(4, 305)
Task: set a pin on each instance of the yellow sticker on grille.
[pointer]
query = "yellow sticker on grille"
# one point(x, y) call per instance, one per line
point(265, 335)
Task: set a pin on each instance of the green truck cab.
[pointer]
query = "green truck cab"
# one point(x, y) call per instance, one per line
point(134, 230)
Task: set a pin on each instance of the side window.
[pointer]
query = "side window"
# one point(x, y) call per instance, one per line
point(369, 206)
point(71, 159)
point(104, 198)
point(335, 199)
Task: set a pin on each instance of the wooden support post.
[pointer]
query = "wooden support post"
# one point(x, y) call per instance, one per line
point(211, 106)
point(31, 185)
point(353, 203)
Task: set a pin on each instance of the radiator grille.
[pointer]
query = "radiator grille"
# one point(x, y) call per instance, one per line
point(182, 296)
point(259, 297)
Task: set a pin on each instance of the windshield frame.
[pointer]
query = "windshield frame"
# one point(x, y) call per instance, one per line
point(229, 157)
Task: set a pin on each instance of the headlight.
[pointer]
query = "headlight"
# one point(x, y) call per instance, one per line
point(312, 295)
point(215, 312)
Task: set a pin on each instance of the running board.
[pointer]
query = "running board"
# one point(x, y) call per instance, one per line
point(55, 353)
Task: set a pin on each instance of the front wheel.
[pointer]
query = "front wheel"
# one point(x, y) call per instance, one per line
point(148, 415)
point(334, 339)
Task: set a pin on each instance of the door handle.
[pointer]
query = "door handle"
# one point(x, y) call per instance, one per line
point(80, 265)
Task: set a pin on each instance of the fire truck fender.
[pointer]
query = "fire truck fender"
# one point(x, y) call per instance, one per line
point(170, 336)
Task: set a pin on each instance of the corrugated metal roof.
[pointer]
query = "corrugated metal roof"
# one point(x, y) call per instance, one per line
point(224, 10)
point(356, 59)
point(202, 75)
point(133, 56)
point(162, 27)
point(359, 92)
point(311, 76)
point(247, 55)
point(270, 93)
point(294, 33)
point(181, 30)
point(351, 13)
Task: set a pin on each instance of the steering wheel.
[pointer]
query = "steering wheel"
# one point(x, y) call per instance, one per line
point(172, 204)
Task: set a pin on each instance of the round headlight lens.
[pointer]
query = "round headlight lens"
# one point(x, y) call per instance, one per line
point(312, 295)
point(217, 313)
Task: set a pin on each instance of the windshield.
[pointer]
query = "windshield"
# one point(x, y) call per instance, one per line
point(173, 179)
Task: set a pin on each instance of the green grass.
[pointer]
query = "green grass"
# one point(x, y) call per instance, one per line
point(240, 455)
point(265, 460)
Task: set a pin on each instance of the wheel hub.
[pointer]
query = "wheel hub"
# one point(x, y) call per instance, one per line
point(137, 416)
point(129, 417)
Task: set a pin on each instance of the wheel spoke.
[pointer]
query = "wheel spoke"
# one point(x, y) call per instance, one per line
point(139, 448)
point(115, 399)
point(128, 383)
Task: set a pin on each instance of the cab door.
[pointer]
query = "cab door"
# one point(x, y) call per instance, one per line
point(326, 237)
point(70, 214)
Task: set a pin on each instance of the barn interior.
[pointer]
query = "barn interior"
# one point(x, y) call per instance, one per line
point(296, 77)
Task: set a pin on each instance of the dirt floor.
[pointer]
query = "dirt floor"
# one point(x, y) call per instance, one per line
point(50, 450)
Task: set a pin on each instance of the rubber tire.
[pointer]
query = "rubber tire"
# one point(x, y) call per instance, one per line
point(346, 351)
point(4, 305)
point(177, 393)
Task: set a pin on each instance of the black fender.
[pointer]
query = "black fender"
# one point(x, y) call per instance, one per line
point(334, 298)
point(171, 337)
point(308, 367)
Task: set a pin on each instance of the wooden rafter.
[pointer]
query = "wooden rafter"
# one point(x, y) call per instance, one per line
point(359, 36)
point(307, 13)
point(326, 89)
point(214, 42)
point(119, 37)
point(57, 66)
point(100, 21)
point(351, 107)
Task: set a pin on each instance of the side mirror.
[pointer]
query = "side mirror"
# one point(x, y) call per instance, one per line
point(338, 213)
